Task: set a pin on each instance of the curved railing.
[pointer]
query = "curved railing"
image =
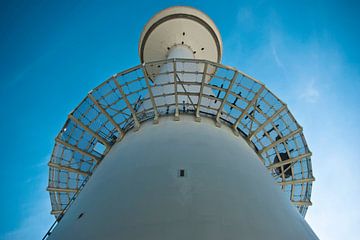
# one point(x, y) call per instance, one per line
point(204, 89)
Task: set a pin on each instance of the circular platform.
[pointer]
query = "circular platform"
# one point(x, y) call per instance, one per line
point(180, 26)
point(116, 107)
point(231, 99)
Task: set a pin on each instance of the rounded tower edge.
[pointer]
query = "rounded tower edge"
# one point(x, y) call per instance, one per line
point(180, 25)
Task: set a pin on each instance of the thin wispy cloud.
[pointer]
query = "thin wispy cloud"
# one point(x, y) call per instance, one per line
point(26, 71)
point(36, 218)
point(310, 93)
point(245, 18)
point(276, 57)
point(35, 224)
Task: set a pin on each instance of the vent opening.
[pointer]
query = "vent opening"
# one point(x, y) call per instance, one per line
point(80, 215)
point(182, 173)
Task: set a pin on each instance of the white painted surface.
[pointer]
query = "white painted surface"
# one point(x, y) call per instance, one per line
point(180, 51)
point(180, 26)
point(226, 193)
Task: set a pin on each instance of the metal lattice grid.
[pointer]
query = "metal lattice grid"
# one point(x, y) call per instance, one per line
point(204, 89)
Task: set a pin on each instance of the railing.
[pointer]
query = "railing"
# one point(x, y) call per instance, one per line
point(62, 212)
point(183, 86)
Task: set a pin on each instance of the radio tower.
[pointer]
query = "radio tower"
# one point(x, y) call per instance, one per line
point(180, 147)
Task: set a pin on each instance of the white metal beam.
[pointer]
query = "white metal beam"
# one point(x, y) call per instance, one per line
point(270, 119)
point(251, 103)
point(133, 113)
point(103, 111)
point(146, 77)
point(177, 117)
point(197, 115)
point(289, 161)
point(297, 181)
point(217, 120)
point(56, 212)
point(281, 140)
point(75, 148)
point(93, 133)
point(69, 169)
point(185, 93)
point(301, 203)
point(57, 189)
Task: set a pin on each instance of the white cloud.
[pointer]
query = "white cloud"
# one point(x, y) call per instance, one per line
point(36, 224)
point(36, 210)
point(245, 18)
point(276, 57)
point(310, 93)
point(336, 190)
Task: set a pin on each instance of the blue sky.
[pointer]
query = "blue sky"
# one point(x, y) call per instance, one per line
point(53, 52)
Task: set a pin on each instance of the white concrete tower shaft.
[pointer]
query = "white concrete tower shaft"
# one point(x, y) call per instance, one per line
point(180, 51)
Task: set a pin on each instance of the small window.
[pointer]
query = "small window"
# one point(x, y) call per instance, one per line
point(182, 173)
point(99, 148)
point(80, 215)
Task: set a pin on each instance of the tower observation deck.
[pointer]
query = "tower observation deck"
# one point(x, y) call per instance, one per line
point(180, 147)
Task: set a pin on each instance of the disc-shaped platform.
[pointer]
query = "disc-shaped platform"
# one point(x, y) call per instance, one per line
point(231, 98)
point(180, 26)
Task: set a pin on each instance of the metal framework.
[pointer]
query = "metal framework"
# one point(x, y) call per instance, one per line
point(116, 106)
point(197, 115)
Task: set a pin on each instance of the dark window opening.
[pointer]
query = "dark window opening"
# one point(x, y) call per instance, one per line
point(182, 173)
